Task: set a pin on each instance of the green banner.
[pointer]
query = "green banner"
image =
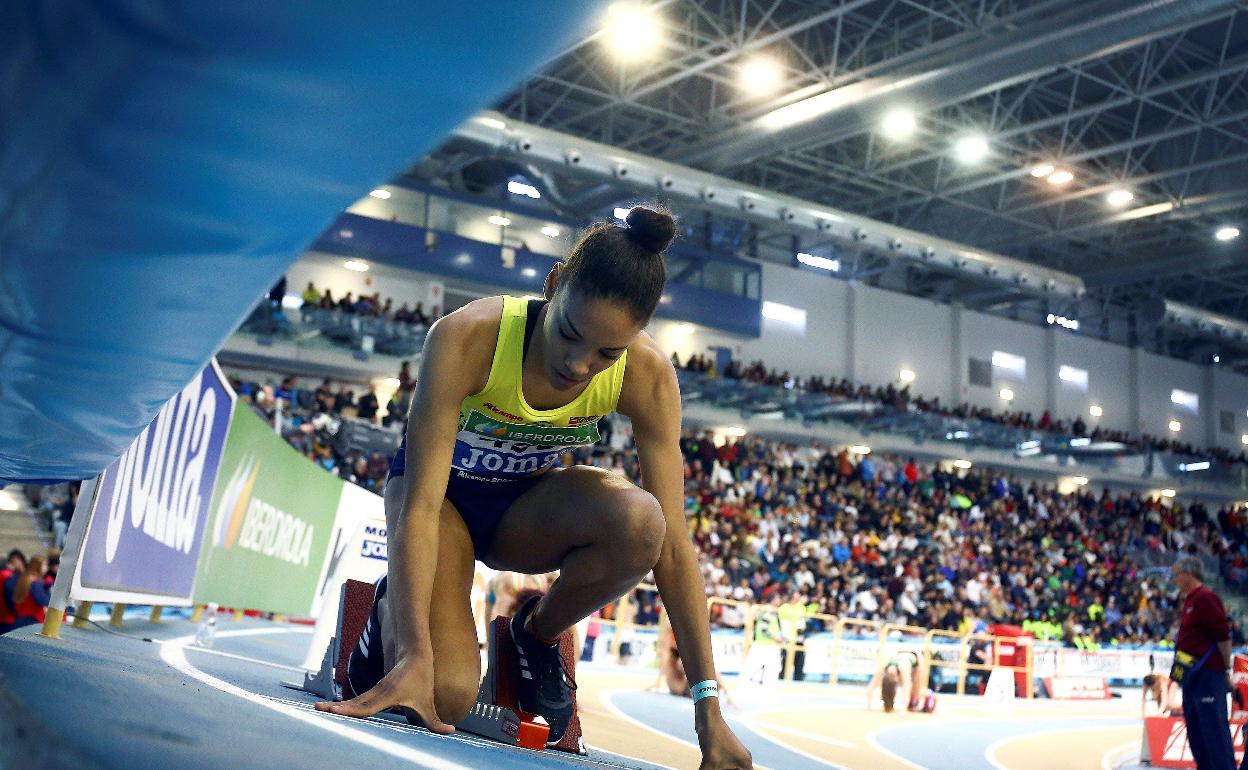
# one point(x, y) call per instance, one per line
point(540, 435)
point(273, 512)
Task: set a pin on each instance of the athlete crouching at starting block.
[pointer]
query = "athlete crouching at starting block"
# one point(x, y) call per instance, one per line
point(506, 386)
point(671, 672)
point(903, 677)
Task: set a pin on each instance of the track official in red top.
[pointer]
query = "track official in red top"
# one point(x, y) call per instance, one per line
point(1202, 654)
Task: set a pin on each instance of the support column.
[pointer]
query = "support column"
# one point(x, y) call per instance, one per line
point(1050, 371)
point(851, 332)
point(1133, 393)
point(957, 350)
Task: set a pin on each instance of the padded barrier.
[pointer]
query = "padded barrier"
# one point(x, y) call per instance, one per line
point(161, 164)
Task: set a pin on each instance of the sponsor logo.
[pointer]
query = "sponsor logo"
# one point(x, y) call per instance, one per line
point(373, 546)
point(584, 420)
point(246, 521)
point(160, 483)
point(501, 413)
point(540, 435)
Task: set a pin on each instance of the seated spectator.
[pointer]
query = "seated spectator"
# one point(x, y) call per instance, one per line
point(368, 405)
point(311, 297)
point(26, 595)
point(347, 304)
point(15, 564)
point(345, 399)
point(327, 301)
point(406, 380)
point(325, 396)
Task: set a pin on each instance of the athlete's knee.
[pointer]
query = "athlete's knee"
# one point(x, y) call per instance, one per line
point(455, 698)
point(642, 529)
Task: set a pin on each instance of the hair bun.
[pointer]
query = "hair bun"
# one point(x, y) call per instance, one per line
point(652, 230)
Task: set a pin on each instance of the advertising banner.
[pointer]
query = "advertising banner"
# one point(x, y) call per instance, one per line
point(1165, 743)
point(151, 504)
point(357, 552)
point(1077, 688)
point(272, 517)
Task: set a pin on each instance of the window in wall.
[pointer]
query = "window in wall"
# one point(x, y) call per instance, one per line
point(1189, 401)
point(793, 317)
point(979, 372)
point(1014, 365)
point(1074, 376)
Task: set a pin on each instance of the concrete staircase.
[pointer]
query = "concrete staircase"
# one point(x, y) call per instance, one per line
point(19, 530)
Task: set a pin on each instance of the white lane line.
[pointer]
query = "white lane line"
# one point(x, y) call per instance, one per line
point(762, 726)
point(607, 700)
point(990, 753)
point(1120, 755)
point(872, 738)
point(244, 658)
point(172, 653)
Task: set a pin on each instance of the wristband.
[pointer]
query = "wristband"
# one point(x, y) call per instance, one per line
point(707, 689)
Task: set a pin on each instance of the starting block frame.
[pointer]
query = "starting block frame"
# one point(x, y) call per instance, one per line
point(496, 715)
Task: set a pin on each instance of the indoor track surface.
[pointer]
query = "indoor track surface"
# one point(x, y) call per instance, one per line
point(96, 698)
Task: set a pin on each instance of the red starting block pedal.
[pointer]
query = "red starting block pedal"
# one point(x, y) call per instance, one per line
point(496, 714)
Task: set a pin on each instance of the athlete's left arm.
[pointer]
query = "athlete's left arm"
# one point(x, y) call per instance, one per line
point(651, 399)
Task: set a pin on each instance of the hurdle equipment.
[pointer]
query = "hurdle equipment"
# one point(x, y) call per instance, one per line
point(496, 715)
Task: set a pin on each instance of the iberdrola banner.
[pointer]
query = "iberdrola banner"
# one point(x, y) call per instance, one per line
point(271, 520)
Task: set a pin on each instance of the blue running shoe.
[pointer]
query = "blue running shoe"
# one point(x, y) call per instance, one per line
point(366, 667)
point(545, 687)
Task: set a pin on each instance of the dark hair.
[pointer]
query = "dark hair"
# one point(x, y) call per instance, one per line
point(623, 263)
point(1149, 679)
point(18, 553)
point(888, 692)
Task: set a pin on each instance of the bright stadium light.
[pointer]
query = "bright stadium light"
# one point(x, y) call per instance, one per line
point(1006, 394)
point(860, 449)
point(1079, 481)
point(358, 265)
point(823, 263)
point(1203, 465)
point(963, 464)
point(684, 329)
point(971, 148)
point(1119, 198)
point(1167, 493)
point(1243, 439)
point(520, 188)
point(898, 124)
point(1227, 233)
point(632, 31)
point(529, 272)
point(550, 231)
point(380, 194)
point(906, 375)
point(1095, 410)
point(621, 213)
point(1060, 177)
point(1175, 426)
point(760, 75)
point(495, 219)
point(1041, 170)
point(1081, 441)
point(735, 431)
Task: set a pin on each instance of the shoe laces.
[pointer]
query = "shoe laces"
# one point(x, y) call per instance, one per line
point(555, 664)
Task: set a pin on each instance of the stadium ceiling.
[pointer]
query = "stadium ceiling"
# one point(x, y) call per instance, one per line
point(1145, 98)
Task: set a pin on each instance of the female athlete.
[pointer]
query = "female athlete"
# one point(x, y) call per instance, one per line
point(505, 387)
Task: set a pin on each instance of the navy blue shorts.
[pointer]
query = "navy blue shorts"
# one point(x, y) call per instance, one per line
point(481, 504)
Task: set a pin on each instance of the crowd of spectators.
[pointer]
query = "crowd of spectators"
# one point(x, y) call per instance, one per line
point(369, 306)
point(901, 398)
point(894, 540)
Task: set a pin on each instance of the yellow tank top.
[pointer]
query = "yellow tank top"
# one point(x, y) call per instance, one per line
point(502, 438)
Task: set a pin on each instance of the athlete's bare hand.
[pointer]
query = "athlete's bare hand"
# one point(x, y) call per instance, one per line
point(408, 686)
point(721, 749)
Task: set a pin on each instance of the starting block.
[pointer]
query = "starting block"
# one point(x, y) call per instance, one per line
point(496, 714)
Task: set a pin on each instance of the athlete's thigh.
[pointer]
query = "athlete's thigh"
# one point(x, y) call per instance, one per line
point(451, 627)
point(569, 508)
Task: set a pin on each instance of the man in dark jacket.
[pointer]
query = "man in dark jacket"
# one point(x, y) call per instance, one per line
point(1202, 667)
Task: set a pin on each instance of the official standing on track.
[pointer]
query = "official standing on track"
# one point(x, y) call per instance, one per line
point(1201, 657)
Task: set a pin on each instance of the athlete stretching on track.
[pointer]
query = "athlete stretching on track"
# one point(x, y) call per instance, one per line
point(505, 388)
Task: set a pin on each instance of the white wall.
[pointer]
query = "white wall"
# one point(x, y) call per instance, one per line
point(894, 332)
point(1158, 377)
point(1108, 381)
point(1230, 393)
point(983, 334)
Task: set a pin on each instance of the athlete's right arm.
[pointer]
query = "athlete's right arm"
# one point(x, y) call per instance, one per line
point(455, 364)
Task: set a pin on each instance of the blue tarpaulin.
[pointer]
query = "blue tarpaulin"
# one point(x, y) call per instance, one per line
point(162, 163)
